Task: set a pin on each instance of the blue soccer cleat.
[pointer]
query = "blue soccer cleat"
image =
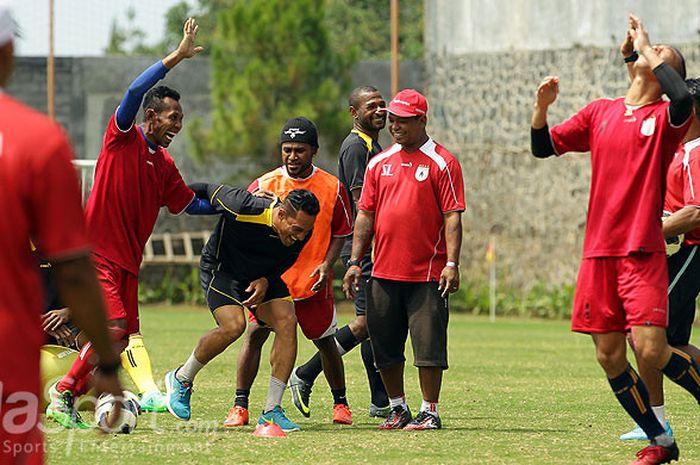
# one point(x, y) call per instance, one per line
point(278, 417)
point(638, 434)
point(178, 396)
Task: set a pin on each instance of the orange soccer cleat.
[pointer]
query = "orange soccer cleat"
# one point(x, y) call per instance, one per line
point(237, 416)
point(342, 414)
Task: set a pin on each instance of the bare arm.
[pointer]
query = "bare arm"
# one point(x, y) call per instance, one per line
point(449, 277)
point(684, 220)
point(364, 231)
point(323, 270)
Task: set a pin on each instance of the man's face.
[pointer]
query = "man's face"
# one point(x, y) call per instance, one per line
point(366, 113)
point(164, 125)
point(297, 158)
point(294, 228)
point(667, 53)
point(407, 131)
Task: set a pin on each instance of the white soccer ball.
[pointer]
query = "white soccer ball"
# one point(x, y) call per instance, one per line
point(127, 418)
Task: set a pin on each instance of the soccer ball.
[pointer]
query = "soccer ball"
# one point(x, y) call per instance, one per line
point(127, 417)
point(673, 244)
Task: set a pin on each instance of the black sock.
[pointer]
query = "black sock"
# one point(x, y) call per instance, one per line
point(376, 385)
point(682, 370)
point(339, 396)
point(633, 396)
point(311, 369)
point(242, 397)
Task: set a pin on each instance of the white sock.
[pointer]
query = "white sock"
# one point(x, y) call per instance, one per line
point(275, 392)
point(189, 370)
point(430, 407)
point(398, 401)
point(660, 413)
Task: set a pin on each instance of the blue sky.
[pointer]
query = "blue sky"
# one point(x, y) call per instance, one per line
point(82, 26)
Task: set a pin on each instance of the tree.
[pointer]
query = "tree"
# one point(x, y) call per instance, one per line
point(272, 60)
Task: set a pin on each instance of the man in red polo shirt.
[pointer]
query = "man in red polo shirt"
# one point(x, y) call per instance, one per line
point(41, 201)
point(411, 203)
point(622, 280)
point(134, 177)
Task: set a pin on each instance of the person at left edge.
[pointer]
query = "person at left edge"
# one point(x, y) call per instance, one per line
point(134, 177)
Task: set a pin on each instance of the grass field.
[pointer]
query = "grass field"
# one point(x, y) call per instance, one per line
point(517, 392)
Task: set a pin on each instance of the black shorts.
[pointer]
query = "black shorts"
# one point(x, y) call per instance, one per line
point(396, 307)
point(220, 288)
point(361, 297)
point(683, 289)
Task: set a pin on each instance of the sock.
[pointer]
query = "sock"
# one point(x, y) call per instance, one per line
point(274, 394)
point(632, 394)
point(398, 402)
point(339, 396)
point(660, 413)
point(376, 385)
point(242, 397)
point(189, 370)
point(345, 341)
point(682, 370)
point(137, 364)
point(430, 407)
point(80, 372)
point(79, 377)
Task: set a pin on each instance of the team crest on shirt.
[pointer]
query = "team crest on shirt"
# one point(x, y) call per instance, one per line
point(422, 172)
point(648, 126)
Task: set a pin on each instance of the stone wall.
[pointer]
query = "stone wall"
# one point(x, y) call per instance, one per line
point(480, 109)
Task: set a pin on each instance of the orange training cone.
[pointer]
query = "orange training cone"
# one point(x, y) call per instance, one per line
point(269, 430)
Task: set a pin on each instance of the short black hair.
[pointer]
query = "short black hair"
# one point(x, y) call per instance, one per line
point(357, 92)
point(301, 199)
point(681, 65)
point(694, 89)
point(154, 97)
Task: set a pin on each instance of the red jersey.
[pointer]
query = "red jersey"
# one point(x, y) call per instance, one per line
point(409, 193)
point(333, 220)
point(132, 182)
point(631, 148)
point(40, 201)
point(683, 184)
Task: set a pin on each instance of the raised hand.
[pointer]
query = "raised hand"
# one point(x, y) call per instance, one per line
point(187, 48)
point(627, 46)
point(639, 34)
point(547, 91)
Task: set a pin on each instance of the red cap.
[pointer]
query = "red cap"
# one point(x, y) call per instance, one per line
point(407, 103)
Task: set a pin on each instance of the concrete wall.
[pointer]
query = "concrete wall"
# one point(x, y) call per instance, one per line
point(481, 105)
point(457, 27)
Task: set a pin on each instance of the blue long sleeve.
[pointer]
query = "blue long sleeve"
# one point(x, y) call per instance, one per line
point(200, 207)
point(129, 106)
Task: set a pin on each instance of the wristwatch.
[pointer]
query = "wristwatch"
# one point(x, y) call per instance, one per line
point(353, 263)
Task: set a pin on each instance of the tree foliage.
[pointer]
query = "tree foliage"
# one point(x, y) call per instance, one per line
point(272, 60)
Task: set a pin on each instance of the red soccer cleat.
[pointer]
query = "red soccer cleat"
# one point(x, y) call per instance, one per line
point(397, 419)
point(237, 416)
point(654, 455)
point(342, 414)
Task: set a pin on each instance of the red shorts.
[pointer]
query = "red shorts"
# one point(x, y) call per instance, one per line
point(21, 440)
point(121, 292)
point(316, 315)
point(616, 293)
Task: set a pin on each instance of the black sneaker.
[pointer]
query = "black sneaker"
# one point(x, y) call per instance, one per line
point(397, 419)
point(423, 421)
point(301, 392)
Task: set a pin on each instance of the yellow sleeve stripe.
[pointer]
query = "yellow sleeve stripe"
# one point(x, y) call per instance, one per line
point(216, 192)
point(365, 138)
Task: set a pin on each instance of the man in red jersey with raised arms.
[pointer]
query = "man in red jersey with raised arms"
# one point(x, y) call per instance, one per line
point(411, 203)
point(623, 279)
point(134, 177)
point(41, 202)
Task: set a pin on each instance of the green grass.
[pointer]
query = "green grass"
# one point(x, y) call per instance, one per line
point(517, 392)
